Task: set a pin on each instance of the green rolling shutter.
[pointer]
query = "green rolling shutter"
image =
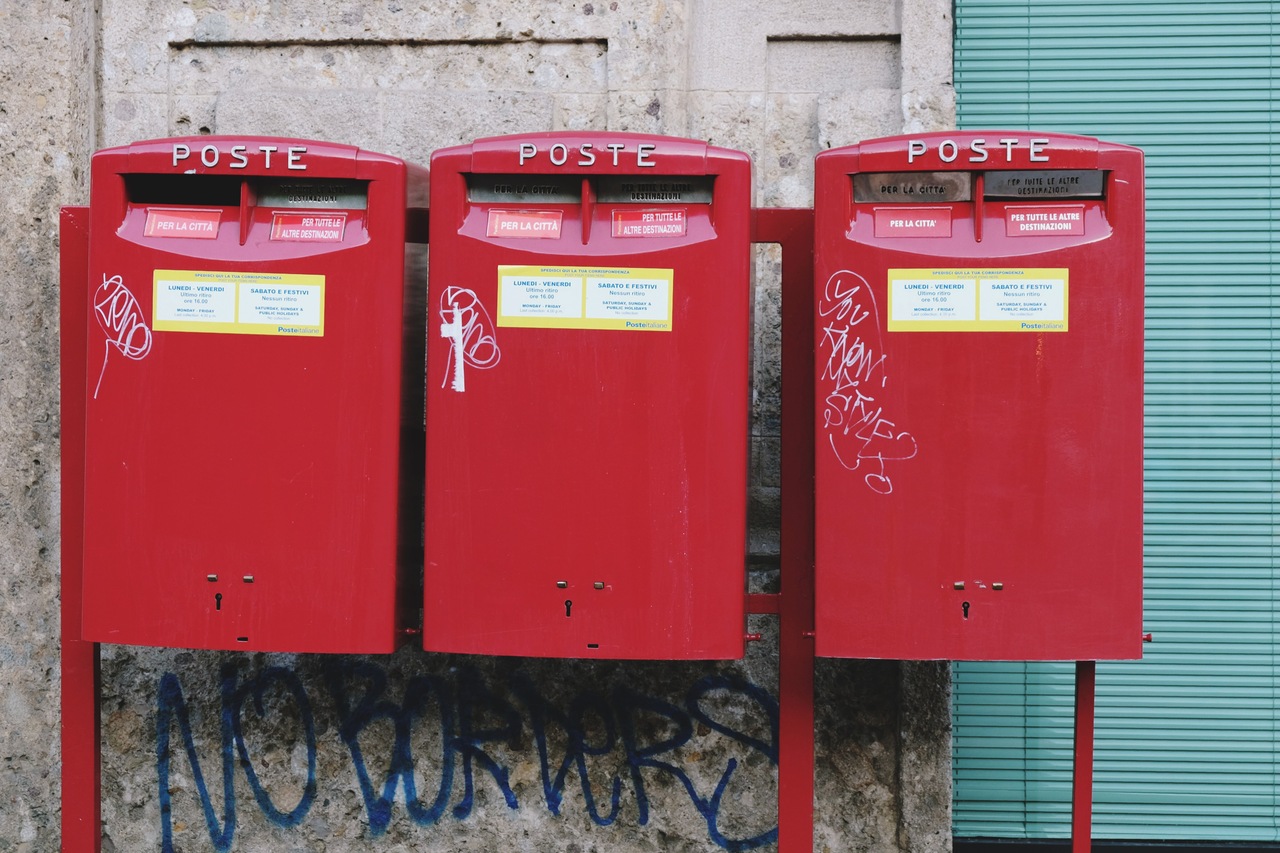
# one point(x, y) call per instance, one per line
point(1188, 742)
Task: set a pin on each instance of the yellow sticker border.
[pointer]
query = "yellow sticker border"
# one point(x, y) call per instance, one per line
point(315, 284)
point(583, 276)
point(978, 275)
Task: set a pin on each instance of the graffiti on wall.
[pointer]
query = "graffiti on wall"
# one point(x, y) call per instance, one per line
point(613, 744)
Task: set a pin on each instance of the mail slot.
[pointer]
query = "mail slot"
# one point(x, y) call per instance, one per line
point(587, 398)
point(978, 322)
point(254, 396)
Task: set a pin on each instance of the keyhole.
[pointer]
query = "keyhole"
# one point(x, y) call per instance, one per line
point(217, 601)
point(568, 605)
point(965, 608)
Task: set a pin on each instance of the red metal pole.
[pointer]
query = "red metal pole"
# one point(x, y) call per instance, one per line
point(1082, 772)
point(81, 754)
point(793, 229)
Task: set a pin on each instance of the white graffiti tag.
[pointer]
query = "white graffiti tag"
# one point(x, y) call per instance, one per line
point(120, 316)
point(467, 325)
point(861, 436)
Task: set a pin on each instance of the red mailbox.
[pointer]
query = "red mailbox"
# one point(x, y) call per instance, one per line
point(978, 321)
point(253, 396)
point(587, 398)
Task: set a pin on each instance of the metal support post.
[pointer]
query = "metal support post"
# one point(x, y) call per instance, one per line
point(81, 753)
point(792, 228)
point(1082, 772)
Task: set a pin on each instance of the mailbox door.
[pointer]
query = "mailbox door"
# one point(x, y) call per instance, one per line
point(588, 371)
point(978, 315)
point(249, 405)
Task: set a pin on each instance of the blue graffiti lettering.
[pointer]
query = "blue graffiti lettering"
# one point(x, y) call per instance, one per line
point(474, 698)
point(480, 730)
point(257, 689)
point(171, 708)
point(372, 707)
point(573, 726)
point(767, 704)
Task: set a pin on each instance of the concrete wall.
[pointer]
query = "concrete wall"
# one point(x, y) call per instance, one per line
point(251, 752)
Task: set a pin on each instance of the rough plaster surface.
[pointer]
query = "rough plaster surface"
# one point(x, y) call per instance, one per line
point(45, 108)
point(415, 751)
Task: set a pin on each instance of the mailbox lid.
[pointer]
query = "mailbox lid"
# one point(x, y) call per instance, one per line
point(586, 454)
point(979, 398)
point(247, 425)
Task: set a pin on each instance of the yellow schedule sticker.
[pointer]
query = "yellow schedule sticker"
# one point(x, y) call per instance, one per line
point(585, 298)
point(978, 300)
point(239, 303)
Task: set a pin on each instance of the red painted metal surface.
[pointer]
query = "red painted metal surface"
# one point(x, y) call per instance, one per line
point(979, 398)
point(587, 398)
point(1082, 767)
point(793, 229)
point(252, 395)
point(81, 755)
